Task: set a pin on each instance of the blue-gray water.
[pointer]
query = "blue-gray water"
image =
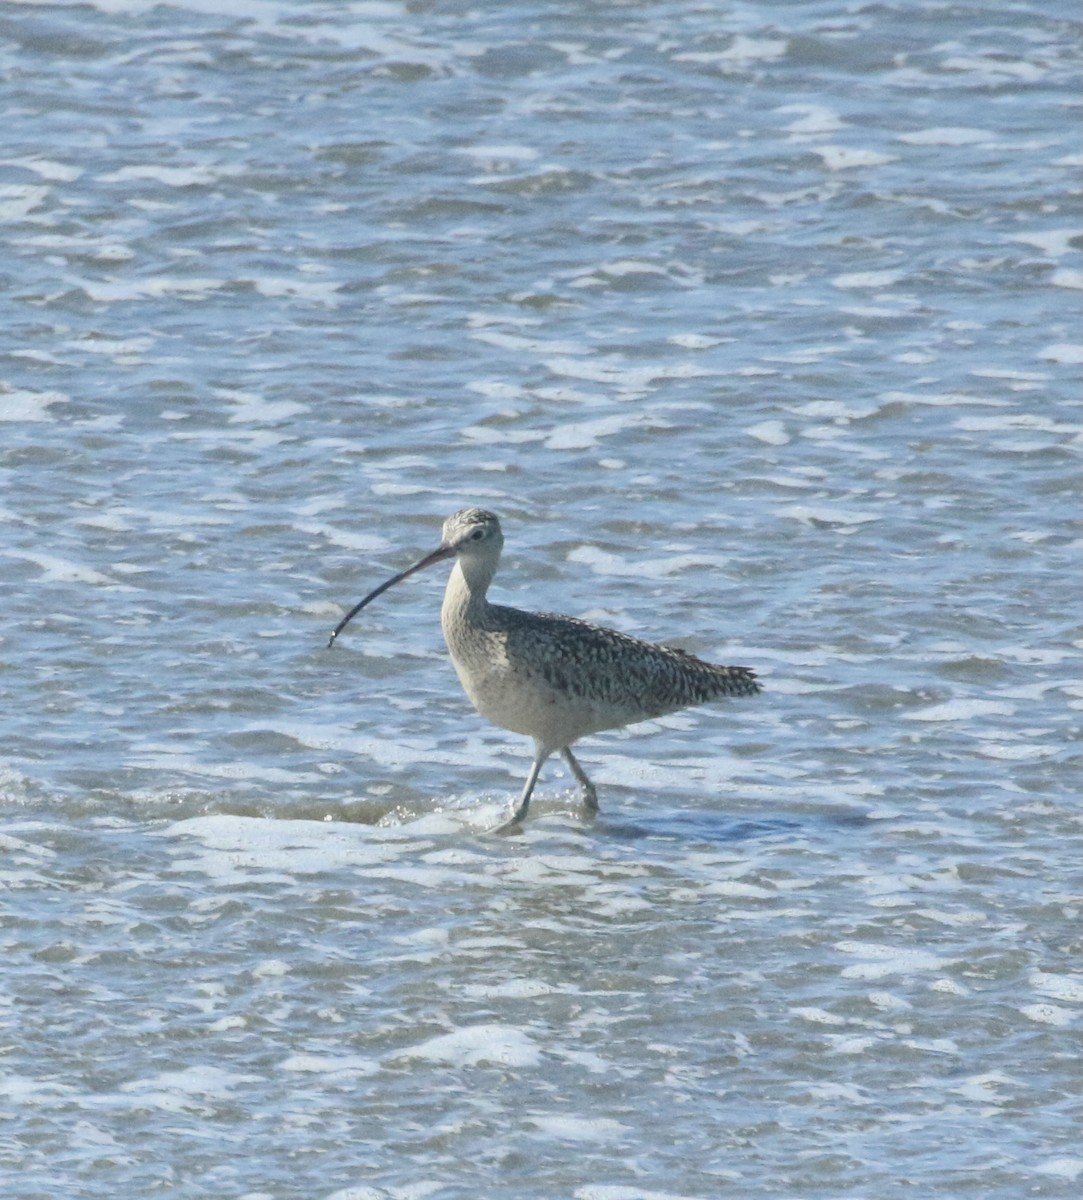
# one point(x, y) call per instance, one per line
point(758, 325)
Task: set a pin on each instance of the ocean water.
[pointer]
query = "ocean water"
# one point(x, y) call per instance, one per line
point(759, 327)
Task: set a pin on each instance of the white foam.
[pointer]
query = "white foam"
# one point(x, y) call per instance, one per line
point(1053, 242)
point(622, 267)
point(850, 1043)
point(535, 345)
point(867, 279)
point(741, 49)
point(178, 518)
point(403, 489)
point(13, 845)
point(514, 989)
point(20, 404)
point(889, 1002)
point(880, 960)
point(478, 1045)
point(397, 752)
point(733, 887)
point(693, 341)
point(45, 168)
point(564, 393)
point(817, 1016)
point(1034, 377)
point(611, 1191)
point(772, 433)
point(941, 399)
point(188, 176)
point(602, 562)
point(1064, 1167)
point(128, 349)
point(175, 759)
point(322, 291)
point(1015, 751)
point(620, 374)
point(949, 135)
point(1068, 353)
point(174, 1091)
point(271, 968)
point(585, 435)
point(846, 158)
point(816, 120)
point(62, 570)
point(983, 1089)
point(496, 389)
point(807, 354)
point(348, 539)
point(836, 410)
point(360, 1192)
point(23, 1088)
point(962, 710)
point(18, 200)
point(1049, 1014)
point(1009, 421)
point(188, 288)
point(578, 1128)
point(498, 154)
point(251, 408)
point(809, 514)
point(235, 848)
point(1066, 988)
point(490, 435)
point(342, 1065)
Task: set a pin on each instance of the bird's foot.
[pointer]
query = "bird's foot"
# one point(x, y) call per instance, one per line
point(514, 824)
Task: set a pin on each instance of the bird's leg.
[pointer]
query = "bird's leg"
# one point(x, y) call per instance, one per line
point(540, 755)
point(590, 795)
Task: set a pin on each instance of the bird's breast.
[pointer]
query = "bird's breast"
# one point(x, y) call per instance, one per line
point(520, 695)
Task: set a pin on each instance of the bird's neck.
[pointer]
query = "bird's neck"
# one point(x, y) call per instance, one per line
point(464, 598)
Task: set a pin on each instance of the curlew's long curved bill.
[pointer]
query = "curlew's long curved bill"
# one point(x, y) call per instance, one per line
point(437, 555)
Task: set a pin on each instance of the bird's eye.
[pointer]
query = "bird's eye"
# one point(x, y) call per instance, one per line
point(477, 535)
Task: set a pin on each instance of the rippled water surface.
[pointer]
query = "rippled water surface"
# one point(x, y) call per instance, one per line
point(759, 327)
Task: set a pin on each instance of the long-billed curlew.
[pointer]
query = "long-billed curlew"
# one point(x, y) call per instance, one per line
point(554, 678)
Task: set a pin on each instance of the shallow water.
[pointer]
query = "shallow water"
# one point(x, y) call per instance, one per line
point(758, 325)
